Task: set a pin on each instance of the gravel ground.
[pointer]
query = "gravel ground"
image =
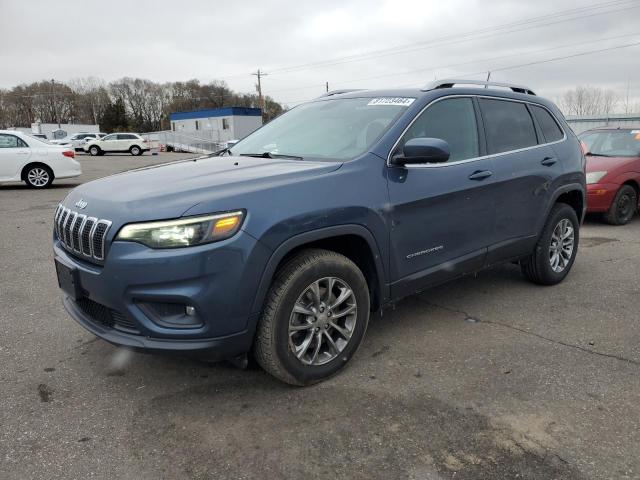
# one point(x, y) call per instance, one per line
point(485, 377)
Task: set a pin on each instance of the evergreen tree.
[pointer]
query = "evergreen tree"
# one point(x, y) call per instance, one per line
point(114, 118)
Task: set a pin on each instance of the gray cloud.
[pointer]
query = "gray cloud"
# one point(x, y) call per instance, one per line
point(168, 40)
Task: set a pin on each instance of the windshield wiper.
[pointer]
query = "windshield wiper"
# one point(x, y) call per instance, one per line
point(270, 155)
point(590, 154)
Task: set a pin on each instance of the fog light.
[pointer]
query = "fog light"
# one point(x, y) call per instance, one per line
point(171, 315)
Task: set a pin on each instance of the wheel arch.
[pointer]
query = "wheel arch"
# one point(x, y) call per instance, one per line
point(635, 184)
point(353, 241)
point(574, 196)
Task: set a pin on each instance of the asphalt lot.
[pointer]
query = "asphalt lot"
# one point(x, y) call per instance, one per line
point(486, 377)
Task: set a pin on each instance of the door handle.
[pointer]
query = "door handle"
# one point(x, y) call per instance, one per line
point(548, 161)
point(480, 175)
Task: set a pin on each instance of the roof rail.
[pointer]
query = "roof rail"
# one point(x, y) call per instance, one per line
point(450, 82)
point(338, 92)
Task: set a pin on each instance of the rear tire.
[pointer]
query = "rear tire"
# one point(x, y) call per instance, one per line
point(556, 248)
point(623, 207)
point(314, 319)
point(95, 151)
point(135, 150)
point(38, 176)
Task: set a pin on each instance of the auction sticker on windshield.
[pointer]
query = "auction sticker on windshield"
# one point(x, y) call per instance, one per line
point(401, 101)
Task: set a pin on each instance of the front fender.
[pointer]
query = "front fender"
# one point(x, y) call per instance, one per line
point(312, 236)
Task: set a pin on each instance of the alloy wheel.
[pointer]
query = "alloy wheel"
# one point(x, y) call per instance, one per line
point(562, 244)
point(38, 177)
point(323, 321)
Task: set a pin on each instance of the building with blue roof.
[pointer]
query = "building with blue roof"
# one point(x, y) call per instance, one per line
point(217, 124)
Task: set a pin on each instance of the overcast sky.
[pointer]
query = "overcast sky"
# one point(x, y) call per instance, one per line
point(182, 39)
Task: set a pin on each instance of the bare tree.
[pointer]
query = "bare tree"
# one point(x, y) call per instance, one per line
point(586, 100)
point(92, 98)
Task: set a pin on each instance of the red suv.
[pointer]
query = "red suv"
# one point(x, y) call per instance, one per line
point(613, 172)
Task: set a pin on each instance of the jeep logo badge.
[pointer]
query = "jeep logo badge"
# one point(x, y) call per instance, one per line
point(81, 204)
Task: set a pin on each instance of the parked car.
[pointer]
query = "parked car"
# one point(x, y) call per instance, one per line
point(117, 143)
point(284, 244)
point(78, 140)
point(41, 136)
point(613, 172)
point(24, 158)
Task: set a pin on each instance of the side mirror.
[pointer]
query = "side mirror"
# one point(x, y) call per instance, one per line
point(423, 150)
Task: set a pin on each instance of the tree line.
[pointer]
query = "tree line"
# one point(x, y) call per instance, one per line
point(586, 100)
point(128, 104)
point(136, 104)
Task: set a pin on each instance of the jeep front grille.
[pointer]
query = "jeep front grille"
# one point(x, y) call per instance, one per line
point(81, 234)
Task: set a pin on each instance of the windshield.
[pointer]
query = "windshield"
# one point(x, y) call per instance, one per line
point(612, 143)
point(337, 129)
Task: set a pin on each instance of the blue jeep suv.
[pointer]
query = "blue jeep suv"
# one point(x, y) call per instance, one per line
point(285, 243)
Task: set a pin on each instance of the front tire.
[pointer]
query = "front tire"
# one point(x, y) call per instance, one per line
point(314, 319)
point(556, 248)
point(623, 206)
point(38, 176)
point(95, 151)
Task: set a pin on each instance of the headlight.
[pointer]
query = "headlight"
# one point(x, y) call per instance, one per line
point(183, 232)
point(594, 177)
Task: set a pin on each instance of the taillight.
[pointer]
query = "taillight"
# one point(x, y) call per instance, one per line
point(69, 153)
point(584, 147)
point(144, 141)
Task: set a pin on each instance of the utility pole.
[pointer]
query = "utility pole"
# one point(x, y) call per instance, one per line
point(626, 102)
point(260, 74)
point(53, 99)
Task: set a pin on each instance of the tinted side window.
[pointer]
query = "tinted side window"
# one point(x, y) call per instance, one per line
point(550, 129)
point(451, 120)
point(508, 125)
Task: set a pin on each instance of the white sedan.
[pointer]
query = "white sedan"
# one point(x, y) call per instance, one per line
point(33, 161)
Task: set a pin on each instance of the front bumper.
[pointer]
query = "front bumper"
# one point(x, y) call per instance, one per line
point(219, 280)
point(600, 196)
point(218, 348)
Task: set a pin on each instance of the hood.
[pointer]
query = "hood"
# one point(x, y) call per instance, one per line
point(610, 164)
point(169, 190)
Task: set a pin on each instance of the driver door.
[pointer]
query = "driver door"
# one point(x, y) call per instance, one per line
point(442, 214)
point(110, 143)
point(14, 154)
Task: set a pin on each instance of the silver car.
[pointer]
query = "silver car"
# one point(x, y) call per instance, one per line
point(78, 140)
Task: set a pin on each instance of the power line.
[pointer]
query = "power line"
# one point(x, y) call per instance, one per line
point(436, 67)
point(472, 35)
point(537, 62)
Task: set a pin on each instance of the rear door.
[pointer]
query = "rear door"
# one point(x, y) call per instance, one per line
point(126, 140)
point(14, 154)
point(442, 214)
point(525, 168)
